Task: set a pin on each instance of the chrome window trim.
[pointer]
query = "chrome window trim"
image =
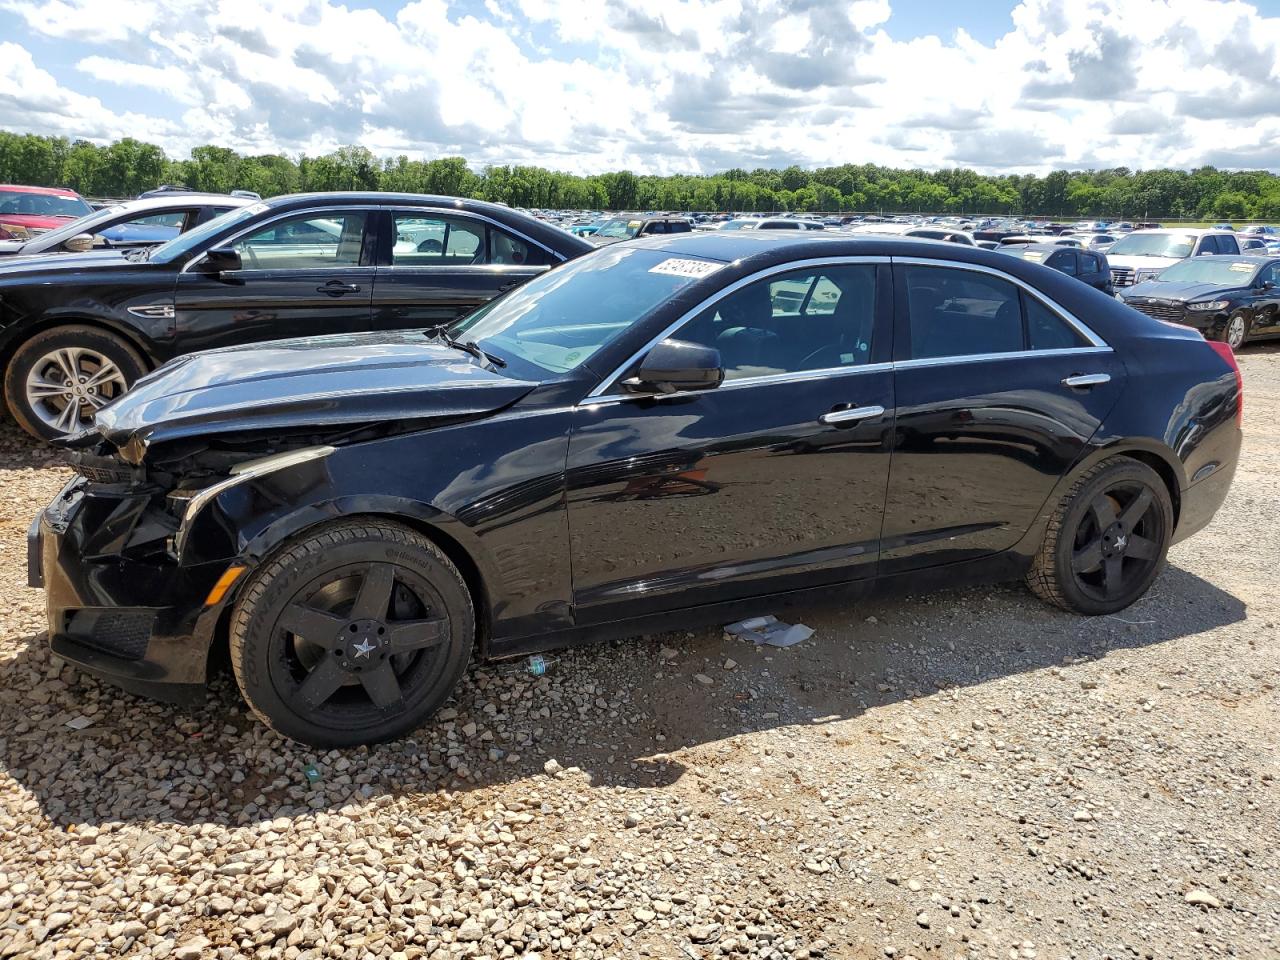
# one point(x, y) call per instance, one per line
point(793, 377)
point(985, 357)
point(467, 215)
point(1054, 307)
point(315, 211)
point(495, 268)
point(1097, 345)
point(716, 298)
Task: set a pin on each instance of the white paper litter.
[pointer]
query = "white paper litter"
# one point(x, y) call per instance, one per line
point(79, 723)
point(769, 630)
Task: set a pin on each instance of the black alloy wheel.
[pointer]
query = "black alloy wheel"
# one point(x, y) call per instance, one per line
point(353, 635)
point(1107, 541)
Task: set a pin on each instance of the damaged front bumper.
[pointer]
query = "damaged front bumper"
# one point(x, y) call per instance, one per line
point(134, 617)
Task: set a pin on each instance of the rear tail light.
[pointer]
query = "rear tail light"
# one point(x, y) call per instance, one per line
point(1226, 353)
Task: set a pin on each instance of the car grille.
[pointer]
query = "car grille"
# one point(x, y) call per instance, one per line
point(102, 469)
point(121, 634)
point(1121, 277)
point(1159, 310)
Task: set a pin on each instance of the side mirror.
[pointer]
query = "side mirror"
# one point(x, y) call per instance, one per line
point(1268, 285)
point(674, 365)
point(219, 260)
point(79, 243)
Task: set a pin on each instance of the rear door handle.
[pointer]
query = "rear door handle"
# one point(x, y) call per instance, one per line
point(336, 288)
point(851, 415)
point(1079, 380)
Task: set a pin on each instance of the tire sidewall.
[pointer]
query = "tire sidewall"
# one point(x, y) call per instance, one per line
point(24, 358)
point(1065, 547)
point(1244, 336)
point(261, 639)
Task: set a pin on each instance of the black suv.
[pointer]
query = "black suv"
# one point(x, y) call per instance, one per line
point(628, 228)
point(76, 332)
point(1087, 266)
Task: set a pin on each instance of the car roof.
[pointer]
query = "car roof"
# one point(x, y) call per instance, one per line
point(47, 191)
point(170, 201)
point(1048, 246)
point(1186, 231)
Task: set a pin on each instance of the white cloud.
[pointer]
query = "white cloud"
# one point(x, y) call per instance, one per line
point(685, 85)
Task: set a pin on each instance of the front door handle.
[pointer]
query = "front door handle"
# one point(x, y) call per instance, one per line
point(1081, 380)
point(336, 288)
point(850, 415)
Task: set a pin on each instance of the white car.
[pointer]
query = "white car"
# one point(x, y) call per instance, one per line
point(936, 231)
point(1143, 254)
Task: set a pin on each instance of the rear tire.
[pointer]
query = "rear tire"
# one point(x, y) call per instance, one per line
point(353, 635)
point(59, 377)
point(1106, 542)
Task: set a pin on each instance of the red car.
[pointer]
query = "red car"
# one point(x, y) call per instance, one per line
point(29, 211)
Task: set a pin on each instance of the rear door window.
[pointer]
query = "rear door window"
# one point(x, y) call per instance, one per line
point(431, 240)
point(960, 313)
point(1064, 260)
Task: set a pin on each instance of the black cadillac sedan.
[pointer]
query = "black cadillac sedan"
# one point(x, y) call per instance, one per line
point(669, 431)
point(76, 332)
point(1232, 299)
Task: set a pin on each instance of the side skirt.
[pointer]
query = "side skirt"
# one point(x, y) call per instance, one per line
point(1010, 565)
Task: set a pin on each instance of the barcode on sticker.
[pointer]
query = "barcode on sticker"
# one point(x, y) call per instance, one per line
point(686, 268)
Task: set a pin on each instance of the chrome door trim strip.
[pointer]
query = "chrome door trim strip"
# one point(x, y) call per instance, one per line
point(1011, 355)
point(794, 377)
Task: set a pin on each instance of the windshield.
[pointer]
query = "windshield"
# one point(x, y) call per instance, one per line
point(737, 225)
point(1176, 245)
point(1220, 270)
point(41, 205)
point(184, 243)
point(621, 229)
point(558, 320)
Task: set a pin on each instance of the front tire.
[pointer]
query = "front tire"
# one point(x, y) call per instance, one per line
point(353, 635)
point(57, 379)
point(1235, 332)
point(1106, 542)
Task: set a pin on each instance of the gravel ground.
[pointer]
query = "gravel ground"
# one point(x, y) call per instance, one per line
point(969, 774)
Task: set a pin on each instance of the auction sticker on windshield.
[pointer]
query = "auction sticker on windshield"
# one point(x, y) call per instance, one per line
point(1242, 267)
point(686, 268)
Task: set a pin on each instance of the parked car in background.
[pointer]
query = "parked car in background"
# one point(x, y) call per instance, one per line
point(1223, 226)
point(1226, 298)
point(1095, 241)
point(27, 212)
point(1253, 245)
point(77, 331)
point(1087, 266)
point(929, 232)
point(628, 228)
point(788, 223)
point(364, 512)
point(1259, 230)
point(738, 223)
point(1145, 253)
point(129, 225)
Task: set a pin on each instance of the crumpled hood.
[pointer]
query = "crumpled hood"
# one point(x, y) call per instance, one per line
point(1183, 291)
point(317, 381)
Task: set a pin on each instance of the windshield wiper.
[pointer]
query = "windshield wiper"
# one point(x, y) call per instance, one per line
point(466, 346)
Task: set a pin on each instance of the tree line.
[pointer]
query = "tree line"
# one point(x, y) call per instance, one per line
point(128, 167)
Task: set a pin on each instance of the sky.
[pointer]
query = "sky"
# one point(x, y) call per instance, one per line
point(661, 86)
